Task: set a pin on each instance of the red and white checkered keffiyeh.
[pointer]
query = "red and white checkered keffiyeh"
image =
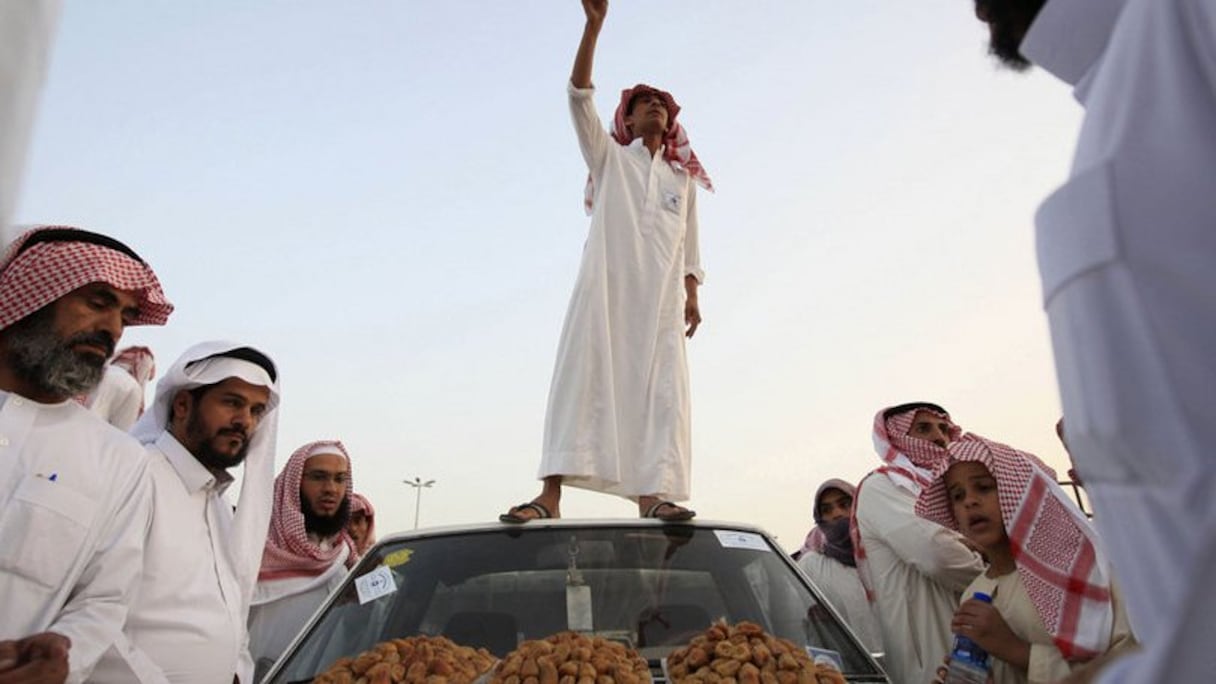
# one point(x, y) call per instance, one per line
point(1057, 554)
point(677, 151)
point(140, 363)
point(360, 504)
point(38, 275)
point(907, 461)
point(289, 552)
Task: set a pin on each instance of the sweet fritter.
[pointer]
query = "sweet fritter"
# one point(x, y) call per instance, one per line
point(571, 658)
point(745, 654)
point(416, 660)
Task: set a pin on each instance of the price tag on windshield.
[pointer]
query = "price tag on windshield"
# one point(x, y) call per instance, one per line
point(731, 539)
point(377, 583)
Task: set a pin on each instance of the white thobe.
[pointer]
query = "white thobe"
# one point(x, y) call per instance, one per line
point(1126, 252)
point(187, 623)
point(281, 608)
point(117, 398)
point(1047, 664)
point(618, 418)
point(27, 30)
point(74, 501)
point(842, 588)
point(917, 570)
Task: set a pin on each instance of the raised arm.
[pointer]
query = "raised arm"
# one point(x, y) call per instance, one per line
point(595, 10)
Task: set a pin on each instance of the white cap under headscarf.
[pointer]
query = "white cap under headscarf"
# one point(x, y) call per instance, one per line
point(201, 365)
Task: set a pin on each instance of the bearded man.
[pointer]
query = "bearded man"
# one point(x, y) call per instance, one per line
point(213, 411)
point(73, 490)
point(1125, 250)
point(307, 552)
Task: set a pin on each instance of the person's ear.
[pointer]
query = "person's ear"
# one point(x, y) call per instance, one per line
point(180, 407)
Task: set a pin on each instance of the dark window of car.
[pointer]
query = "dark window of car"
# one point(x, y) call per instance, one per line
point(652, 587)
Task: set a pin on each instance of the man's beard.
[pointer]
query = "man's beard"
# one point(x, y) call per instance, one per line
point(39, 356)
point(210, 457)
point(325, 525)
point(1008, 22)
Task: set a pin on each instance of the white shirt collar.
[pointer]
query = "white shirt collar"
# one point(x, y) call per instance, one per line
point(192, 473)
point(639, 143)
point(1068, 36)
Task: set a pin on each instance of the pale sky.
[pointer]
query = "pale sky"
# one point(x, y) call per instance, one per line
point(386, 197)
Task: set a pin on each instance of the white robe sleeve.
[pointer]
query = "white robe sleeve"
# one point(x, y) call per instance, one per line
point(27, 29)
point(593, 140)
point(692, 238)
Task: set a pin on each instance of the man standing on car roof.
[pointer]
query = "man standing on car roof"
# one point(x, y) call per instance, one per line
point(618, 418)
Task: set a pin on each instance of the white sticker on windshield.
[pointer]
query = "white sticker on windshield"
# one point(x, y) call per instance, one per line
point(826, 658)
point(373, 585)
point(731, 539)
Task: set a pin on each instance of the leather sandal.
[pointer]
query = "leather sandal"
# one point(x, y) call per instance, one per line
point(513, 516)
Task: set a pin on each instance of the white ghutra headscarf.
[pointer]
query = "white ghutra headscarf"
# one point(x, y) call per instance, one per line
point(209, 363)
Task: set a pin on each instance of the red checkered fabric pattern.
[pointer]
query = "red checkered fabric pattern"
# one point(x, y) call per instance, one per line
point(288, 551)
point(360, 504)
point(1055, 548)
point(140, 363)
point(677, 151)
point(47, 271)
point(907, 461)
point(891, 440)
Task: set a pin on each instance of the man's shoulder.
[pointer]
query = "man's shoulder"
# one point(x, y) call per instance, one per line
point(121, 380)
point(877, 488)
point(880, 500)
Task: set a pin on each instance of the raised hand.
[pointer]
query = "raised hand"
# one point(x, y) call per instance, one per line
point(595, 10)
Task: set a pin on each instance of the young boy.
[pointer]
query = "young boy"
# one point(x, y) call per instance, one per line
point(1053, 611)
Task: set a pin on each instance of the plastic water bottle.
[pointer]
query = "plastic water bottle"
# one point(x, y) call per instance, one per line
point(968, 662)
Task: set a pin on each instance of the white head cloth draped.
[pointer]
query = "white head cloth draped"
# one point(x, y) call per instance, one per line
point(200, 365)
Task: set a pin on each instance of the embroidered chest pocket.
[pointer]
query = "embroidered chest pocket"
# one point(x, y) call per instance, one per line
point(672, 201)
point(42, 529)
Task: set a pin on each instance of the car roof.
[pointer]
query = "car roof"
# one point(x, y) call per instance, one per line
point(565, 523)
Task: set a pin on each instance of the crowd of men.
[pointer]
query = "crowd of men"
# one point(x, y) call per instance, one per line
point(124, 561)
point(948, 515)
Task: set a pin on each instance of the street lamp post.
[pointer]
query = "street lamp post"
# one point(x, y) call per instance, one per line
point(418, 484)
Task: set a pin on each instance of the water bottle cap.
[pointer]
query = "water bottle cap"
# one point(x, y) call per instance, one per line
point(981, 596)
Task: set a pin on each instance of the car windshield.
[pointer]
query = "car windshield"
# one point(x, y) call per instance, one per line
point(651, 587)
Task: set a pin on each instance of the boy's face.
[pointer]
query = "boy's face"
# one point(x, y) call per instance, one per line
point(647, 114)
point(974, 503)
